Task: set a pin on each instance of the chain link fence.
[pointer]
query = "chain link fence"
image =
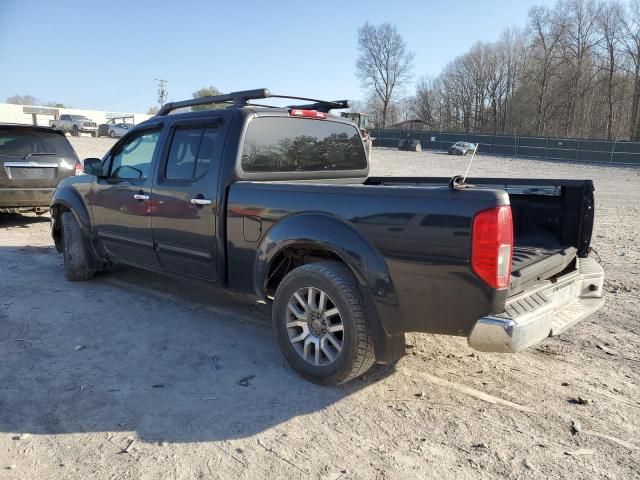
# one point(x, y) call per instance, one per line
point(570, 149)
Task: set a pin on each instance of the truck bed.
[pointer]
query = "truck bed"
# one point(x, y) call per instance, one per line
point(553, 220)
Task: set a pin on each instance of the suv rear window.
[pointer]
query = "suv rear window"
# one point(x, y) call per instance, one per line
point(18, 142)
point(282, 144)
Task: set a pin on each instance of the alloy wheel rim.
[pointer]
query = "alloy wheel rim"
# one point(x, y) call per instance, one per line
point(314, 326)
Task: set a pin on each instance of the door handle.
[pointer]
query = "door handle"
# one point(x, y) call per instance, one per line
point(200, 201)
point(141, 196)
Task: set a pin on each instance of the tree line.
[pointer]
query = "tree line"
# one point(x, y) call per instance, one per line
point(574, 71)
point(31, 100)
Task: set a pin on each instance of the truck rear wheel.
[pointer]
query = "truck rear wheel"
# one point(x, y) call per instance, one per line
point(76, 250)
point(320, 323)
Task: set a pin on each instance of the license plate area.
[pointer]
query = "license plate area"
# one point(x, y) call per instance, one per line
point(32, 173)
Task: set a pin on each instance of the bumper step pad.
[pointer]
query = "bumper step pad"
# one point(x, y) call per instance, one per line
point(548, 310)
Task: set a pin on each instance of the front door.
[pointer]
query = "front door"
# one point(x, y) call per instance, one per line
point(120, 201)
point(184, 202)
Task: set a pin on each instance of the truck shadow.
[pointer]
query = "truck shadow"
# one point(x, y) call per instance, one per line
point(131, 350)
point(21, 220)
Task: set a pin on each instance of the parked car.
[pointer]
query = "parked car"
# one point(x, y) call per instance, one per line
point(278, 202)
point(103, 129)
point(32, 162)
point(462, 148)
point(75, 124)
point(119, 129)
point(410, 145)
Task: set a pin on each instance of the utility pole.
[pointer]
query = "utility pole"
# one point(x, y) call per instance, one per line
point(162, 91)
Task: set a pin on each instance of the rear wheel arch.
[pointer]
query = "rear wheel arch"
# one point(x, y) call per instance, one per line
point(301, 239)
point(306, 234)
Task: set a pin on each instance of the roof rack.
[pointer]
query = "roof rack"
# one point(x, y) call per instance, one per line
point(240, 99)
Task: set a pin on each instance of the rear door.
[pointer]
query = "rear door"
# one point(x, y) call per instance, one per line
point(184, 205)
point(120, 201)
point(33, 158)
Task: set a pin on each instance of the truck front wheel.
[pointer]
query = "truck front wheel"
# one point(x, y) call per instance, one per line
point(76, 250)
point(320, 323)
point(76, 132)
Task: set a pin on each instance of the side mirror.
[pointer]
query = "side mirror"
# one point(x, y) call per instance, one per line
point(93, 166)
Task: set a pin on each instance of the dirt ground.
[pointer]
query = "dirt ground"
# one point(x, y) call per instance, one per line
point(138, 376)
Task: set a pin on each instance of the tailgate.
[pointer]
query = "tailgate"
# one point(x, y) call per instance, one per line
point(42, 172)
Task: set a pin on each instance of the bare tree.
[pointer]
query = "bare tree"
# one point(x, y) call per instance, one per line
point(547, 30)
point(631, 42)
point(23, 100)
point(384, 65)
point(512, 49)
point(610, 25)
point(575, 71)
point(578, 42)
point(425, 101)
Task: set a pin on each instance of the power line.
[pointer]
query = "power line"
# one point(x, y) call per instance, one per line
point(162, 91)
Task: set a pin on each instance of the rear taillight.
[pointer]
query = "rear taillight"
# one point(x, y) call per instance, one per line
point(296, 112)
point(492, 246)
point(78, 167)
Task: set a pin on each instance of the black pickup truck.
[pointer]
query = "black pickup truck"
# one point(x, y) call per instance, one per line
point(278, 201)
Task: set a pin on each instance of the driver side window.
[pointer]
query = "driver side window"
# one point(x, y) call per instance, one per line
point(133, 159)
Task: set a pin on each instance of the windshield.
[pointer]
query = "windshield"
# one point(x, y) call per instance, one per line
point(78, 117)
point(15, 142)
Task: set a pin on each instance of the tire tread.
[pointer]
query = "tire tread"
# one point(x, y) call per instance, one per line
point(76, 252)
point(343, 278)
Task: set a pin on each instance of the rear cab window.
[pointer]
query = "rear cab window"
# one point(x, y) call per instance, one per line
point(286, 144)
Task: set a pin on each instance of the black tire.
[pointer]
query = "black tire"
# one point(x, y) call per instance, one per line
point(77, 254)
point(112, 134)
point(94, 134)
point(76, 132)
point(339, 283)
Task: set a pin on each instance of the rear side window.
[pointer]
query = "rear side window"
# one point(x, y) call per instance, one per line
point(282, 144)
point(23, 142)
point(191, 153)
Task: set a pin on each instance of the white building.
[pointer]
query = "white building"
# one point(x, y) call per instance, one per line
point(35, 115)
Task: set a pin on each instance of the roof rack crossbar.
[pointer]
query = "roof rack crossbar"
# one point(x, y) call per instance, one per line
point(319, 105)
point(325, 107)
point(239, 99)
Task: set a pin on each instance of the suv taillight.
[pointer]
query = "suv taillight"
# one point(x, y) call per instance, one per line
point(78, 167)
point(296, 112)
point(492, 246)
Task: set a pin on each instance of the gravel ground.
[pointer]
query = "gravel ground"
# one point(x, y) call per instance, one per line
point(135, 375)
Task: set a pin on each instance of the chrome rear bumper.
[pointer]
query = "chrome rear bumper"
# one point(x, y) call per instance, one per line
point(544, 311)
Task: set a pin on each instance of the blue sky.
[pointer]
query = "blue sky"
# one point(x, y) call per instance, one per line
point(106, 54)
